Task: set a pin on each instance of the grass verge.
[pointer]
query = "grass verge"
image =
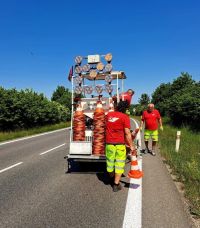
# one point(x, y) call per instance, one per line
point(4, 136)
point(185, 163)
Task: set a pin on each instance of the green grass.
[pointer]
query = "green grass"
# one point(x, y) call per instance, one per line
point(185, 163)
point(4, 136)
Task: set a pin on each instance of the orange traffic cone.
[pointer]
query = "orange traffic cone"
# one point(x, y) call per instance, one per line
point(135, 172)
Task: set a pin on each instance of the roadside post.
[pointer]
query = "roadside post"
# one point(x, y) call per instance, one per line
point(178, 138)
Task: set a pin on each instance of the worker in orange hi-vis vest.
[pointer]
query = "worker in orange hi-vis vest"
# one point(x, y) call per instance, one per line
point(151, 117)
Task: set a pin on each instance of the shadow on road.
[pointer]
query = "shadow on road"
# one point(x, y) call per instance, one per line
point(98, 168)
point(86, 167)
point(104, 177)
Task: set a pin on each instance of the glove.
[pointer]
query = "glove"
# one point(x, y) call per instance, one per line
point(161, 128)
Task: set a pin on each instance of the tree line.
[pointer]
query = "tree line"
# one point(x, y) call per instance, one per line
point(179, 100)
point(26, 109)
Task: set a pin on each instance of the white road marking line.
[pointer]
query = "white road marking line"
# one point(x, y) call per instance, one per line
point(133, 211)
point(52, 149)
point(10, 167)
point(33, 136)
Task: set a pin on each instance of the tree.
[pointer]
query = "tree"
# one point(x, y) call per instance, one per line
point(27, 109)
point(184, 106)
point(144, 99)
point(62, 95)
point(180, 100)
point(161, 96)
point(183, 81)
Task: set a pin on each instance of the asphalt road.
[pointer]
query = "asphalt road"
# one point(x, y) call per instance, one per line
point(35, 190)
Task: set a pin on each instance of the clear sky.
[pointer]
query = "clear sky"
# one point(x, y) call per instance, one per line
point(152, 41)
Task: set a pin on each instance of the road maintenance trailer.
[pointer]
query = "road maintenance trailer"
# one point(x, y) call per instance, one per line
point(92, 83)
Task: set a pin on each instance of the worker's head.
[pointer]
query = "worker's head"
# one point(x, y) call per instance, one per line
point(130, 92)
point(122, 106)
point(150, 107)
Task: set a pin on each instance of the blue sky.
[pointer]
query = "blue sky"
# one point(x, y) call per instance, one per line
point(152, 41)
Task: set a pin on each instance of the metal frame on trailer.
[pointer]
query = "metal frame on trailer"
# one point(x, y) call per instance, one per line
point(86, 146)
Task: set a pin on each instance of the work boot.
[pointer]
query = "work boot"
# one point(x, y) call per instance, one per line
point(117, 187)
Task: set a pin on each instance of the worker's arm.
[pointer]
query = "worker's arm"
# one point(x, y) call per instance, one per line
point(129, 139)
point(141, 123)
point(160, 122)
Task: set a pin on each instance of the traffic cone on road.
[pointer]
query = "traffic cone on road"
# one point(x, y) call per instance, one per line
point(135, 172)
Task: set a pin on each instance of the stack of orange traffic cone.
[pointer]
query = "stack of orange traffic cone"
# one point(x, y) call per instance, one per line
point(98, 146)
point(135, 172)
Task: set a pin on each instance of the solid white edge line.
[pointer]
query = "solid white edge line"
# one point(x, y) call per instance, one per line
point(33, 136)
point(10, 167)
point(133, 211)
point(52, 149)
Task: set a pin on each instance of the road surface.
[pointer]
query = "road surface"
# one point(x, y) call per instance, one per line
point(35, 190)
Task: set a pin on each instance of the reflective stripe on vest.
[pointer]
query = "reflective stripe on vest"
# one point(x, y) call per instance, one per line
point(118, 167)
point(120, 160)
point(109, 160)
